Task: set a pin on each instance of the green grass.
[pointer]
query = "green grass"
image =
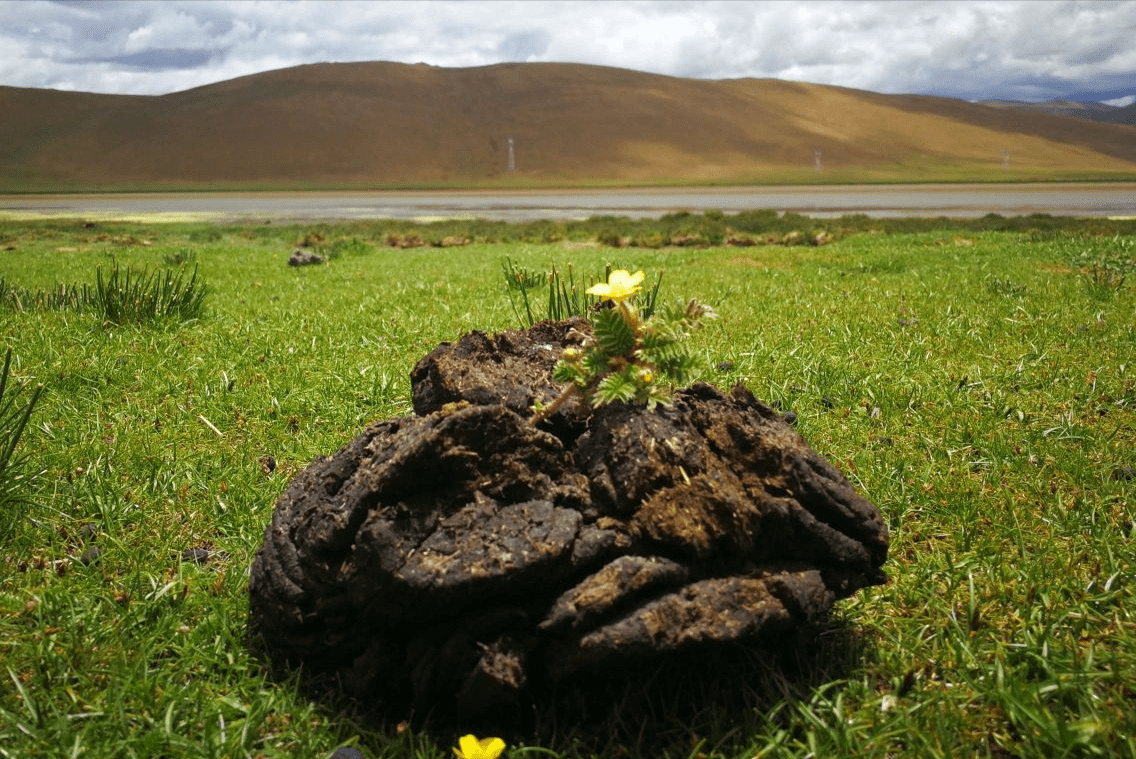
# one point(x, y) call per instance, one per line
point(16, 407)
point(123, 296)
point(935, 170)
point(977, 385)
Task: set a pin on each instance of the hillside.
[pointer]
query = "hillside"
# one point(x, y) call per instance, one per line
point(387, 124)
point(1074, 108)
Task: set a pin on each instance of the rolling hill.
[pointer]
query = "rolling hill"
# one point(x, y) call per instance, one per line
point(1075, 108)
point(379, 124)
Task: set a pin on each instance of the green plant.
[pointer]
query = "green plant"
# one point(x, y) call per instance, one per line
point(15, 412)
point(1004, 286)
point(629, 353)
point(1104, 265)
point(181, 257)
point(132, 297)
point(519, 281)
point(1104, 276)
point(57, 298)
point(123, 297)
point(566, 296)
point(353, 247)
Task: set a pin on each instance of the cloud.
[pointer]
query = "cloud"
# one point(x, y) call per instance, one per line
point(1121, 102)
point(969, 49)
point(168, 31)
point(161, 59)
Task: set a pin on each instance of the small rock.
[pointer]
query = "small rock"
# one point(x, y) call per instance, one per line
point(347, 752)
point(196, 555)
point(301, 257)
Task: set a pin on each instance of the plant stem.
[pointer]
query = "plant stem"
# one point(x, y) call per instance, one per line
point(631, 316)
point(557, 402)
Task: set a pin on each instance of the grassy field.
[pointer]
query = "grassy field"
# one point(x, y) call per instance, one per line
point(975, 380)
point(913, 171)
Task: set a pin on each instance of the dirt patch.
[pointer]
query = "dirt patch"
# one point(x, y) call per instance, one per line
point(753, 263)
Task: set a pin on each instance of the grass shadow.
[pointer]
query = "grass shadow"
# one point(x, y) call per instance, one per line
point(703, 701)
point(699, 701)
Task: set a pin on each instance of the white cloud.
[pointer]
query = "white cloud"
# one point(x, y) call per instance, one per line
point(965, 48)
point(176, 30)
point(1121, 102)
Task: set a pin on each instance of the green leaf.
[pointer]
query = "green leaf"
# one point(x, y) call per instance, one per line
point(613, 334)
point(661, 333)
point(679, 368)
point(616, 386)
point(656, 394)
point(565, 372)
point(596, 362)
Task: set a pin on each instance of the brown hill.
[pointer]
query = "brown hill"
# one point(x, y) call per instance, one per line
point(388, 124)
point(1073, 108)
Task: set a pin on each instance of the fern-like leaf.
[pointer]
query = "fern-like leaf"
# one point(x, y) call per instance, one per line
point(565, 372)
point(596, 362)
point(616, 386)
point(613, 334)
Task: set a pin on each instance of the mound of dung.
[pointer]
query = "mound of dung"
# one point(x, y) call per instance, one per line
point(459, 560)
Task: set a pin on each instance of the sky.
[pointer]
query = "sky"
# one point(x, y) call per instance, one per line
point(1034, 50)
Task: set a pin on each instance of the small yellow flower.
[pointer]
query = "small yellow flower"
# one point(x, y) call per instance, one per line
point(469, 747)
point(646, 375)
point(620, 285)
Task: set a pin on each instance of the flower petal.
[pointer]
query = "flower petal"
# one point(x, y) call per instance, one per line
point(468, 747)
point(620, 286)
point(491, 748)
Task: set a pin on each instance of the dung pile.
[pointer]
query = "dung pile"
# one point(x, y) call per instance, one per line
point(462, 560)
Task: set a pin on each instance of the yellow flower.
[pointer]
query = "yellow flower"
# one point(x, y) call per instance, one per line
point(469, 747)
point(620, 285)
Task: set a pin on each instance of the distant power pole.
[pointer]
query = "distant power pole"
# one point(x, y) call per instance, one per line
point(816, 160)
point(512, 156)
